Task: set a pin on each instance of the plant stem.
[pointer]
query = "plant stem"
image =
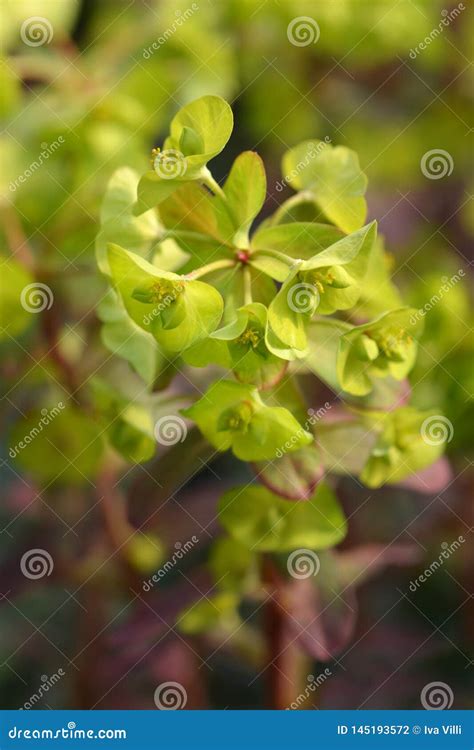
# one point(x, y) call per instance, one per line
point(275, 254)
point(283, 670)
point(247, 285)
point(212, 184)
point(217, 265)
point(295, 200)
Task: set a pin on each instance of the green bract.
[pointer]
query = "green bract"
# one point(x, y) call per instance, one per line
point(403, 446)
point(263, 521)
point(327, 282)
point(198, 132)
point(175, 309)
point(386, 346)
point(306, 293)
point(245, 190)
point(232, 415)
point(241, 347)
point(332, 178)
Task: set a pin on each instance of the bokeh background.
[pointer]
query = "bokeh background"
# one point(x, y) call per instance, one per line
point(88, 91)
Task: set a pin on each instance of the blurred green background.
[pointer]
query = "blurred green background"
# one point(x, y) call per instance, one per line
point(87, 86)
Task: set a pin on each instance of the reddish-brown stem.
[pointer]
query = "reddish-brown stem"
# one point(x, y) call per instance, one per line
point(283, 670)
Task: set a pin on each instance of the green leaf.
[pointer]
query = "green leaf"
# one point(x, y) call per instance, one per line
point(211, 120)
point(190, 142)
point(200, 223)
point(127, 425)
point(232, 415)
point(202, 128)
point(14, 315)
point(345, 444)
point(378, 293)
point(197, 307)
point(263, 521)
point(209, 613)
point(153, 190)
point(245, 189)
point(339, 270)
point(233, 565)
point(333, 177)
point(408, 441)
point(328, 281)
point(118, 224)
point(121, 336)
point(248, 355)
point(298, 240)
point(59, 444)
point(293, 475)
point(145, 552)
point(385, 346)
point(324, 335)
point(274, 267)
